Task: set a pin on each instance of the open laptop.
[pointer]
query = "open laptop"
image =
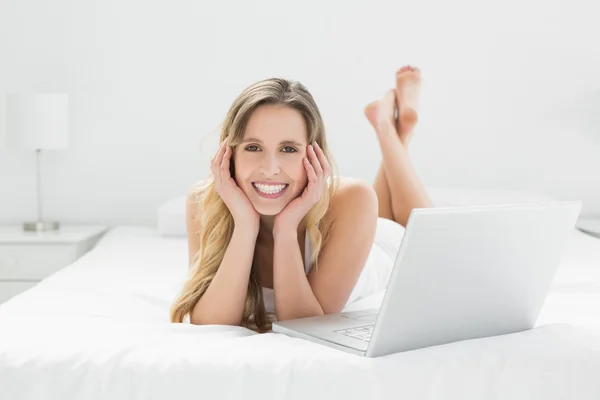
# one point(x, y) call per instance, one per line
point(460, 273)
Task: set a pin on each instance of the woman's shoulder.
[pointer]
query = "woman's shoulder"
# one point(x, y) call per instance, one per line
point(352, 214)
point(351, 194)
point(348, 187)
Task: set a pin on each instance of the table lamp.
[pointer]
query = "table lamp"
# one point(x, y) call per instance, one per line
point(38, 122)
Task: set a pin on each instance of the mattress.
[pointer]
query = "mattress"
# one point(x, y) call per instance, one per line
point(99, 329)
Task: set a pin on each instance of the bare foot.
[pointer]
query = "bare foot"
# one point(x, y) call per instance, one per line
point(408, 91)
point(371, 112)
point(380, 113)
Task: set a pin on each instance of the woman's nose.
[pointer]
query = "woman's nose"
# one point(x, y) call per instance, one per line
point(269, 166)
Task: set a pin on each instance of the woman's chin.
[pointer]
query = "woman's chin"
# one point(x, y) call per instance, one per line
point(268, 206)
point(268, 211)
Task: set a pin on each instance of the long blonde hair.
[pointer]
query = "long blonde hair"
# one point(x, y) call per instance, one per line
point(216, 220)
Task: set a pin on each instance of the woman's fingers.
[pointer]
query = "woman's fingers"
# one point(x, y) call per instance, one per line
point(323, 169)
point(324, 163)
point(218, 154)
point(216, 164)
point(313, 180)
point(315, 162)
point(225, 174)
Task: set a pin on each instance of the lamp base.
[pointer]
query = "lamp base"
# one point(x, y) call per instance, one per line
point(41, 226)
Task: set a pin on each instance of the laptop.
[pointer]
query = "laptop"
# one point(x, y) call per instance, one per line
point(460, 273)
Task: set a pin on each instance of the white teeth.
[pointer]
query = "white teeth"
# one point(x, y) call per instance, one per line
point(269, 189)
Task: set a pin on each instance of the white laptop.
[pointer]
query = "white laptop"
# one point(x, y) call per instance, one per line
point(460, 273)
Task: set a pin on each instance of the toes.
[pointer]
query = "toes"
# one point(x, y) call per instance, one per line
point(407, 68)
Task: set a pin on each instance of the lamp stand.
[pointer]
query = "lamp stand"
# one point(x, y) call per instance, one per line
point(40, 225)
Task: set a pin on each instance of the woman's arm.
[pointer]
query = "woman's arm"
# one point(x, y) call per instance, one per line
point(223, 302)
point(294, 297)
point(341, 259)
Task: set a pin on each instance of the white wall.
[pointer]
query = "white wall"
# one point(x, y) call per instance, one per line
point(150, 80)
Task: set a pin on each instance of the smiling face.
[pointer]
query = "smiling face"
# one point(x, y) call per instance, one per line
point(268, 161)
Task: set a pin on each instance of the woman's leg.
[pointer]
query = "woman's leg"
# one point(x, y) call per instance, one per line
point(408, 94)
point(381, 185)
point(397, 186)
point(383, 195)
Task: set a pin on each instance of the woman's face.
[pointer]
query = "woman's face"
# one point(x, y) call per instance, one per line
point(268, 162)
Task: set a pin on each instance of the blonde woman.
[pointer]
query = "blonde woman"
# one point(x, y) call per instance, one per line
point(275, 233)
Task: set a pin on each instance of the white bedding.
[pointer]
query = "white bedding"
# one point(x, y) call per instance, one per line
point(99, 329)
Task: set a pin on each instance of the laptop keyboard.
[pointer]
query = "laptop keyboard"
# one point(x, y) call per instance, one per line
point(360, 332)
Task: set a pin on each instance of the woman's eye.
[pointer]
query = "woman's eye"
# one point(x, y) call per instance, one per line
point(286, 149)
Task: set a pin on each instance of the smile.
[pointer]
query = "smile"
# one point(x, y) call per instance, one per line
point(270, 191)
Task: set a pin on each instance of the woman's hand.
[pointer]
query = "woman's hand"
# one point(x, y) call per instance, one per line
point(235, 199)
point(317, 170)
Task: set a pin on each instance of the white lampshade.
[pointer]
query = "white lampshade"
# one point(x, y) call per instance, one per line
point(38, 121)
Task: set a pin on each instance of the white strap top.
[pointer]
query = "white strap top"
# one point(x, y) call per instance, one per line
point(268, 296)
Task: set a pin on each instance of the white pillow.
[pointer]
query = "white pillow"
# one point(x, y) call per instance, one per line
point(171, 214)
point(171, 217)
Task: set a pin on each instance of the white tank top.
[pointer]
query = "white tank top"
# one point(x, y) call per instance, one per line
point(268, 296)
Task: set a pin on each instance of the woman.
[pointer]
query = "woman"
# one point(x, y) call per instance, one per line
point(271, 231)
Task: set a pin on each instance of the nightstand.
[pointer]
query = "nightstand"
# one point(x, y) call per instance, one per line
point(589, 225)
point(28, 257)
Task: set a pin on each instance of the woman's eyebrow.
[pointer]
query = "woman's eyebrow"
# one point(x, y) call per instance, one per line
point(283, 142)
point(292, 142)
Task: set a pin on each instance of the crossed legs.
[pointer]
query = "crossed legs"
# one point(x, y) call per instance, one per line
point(397, 185)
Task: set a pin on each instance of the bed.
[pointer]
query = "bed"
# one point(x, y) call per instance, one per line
point(99, 329)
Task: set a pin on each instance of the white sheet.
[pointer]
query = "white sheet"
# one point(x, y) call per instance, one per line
point(99, 329)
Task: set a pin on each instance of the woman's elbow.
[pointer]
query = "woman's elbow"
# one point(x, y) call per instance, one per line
point(196, 319)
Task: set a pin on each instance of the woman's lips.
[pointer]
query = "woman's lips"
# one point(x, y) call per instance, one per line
point(270, 195)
